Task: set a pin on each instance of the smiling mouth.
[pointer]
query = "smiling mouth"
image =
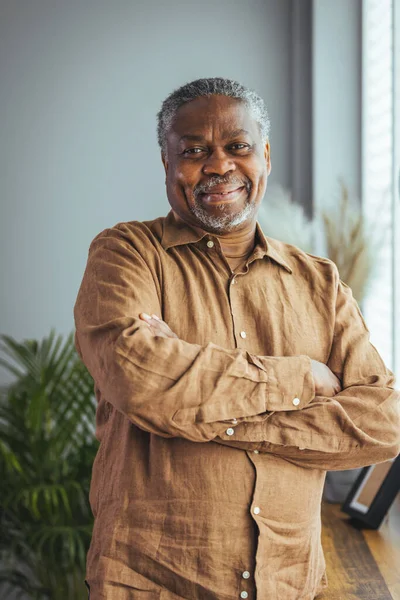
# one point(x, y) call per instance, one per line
point(220, 197)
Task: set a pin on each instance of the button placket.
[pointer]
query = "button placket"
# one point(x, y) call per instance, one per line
point(243, 593)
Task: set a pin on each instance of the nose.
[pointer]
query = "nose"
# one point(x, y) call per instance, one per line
point(218, 162)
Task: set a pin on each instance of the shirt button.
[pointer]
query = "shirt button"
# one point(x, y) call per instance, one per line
point(245, 574)
point(256, 510)
point(255, 451)
point(242, 334)
point(233, 281)
point(234, 421)
point(230, 431)
point(244, 595)
point(210, 243)
point(296, 401)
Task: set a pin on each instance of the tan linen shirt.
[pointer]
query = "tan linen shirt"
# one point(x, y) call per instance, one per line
point(213, 447)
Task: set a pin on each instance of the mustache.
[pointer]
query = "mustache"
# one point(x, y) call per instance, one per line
point(203, 188)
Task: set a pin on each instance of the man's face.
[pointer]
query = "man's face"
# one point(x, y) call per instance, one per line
point(216, 164)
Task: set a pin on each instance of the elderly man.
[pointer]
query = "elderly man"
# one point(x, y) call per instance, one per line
point(231, 371)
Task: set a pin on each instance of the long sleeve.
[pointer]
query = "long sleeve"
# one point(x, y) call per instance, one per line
point(359, 426)
point(169, 386)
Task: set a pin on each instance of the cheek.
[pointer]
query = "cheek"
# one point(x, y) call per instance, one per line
point(263, 177)
point(262, 171)
point(174, 180)
point(256, 174)
point(262, 186)
point(259, 178)
point(185, 177)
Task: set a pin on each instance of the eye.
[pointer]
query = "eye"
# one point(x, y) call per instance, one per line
point(192, 151)
point(240, 146)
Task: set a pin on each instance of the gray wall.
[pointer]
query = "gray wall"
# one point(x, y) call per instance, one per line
point(81, 82)
point(336, 98)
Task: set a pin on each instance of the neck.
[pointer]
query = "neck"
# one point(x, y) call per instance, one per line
point(238, 243)
point(234, 243)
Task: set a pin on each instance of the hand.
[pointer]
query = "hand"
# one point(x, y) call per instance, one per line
point(326, 382)
point(158, 326)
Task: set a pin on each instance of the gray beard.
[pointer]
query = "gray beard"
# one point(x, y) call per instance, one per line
point(222, 222)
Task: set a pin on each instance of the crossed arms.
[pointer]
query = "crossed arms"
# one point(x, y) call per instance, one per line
point(172, 388)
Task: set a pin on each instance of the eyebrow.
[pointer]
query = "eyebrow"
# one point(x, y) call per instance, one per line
point(236, 133)
point(226, 134)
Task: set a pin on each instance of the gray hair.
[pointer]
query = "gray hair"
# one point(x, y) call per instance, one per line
point(207, 87)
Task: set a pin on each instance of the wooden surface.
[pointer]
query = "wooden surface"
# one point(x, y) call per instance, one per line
point(363, 564)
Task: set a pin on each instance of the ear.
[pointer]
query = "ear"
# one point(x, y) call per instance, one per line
point(267, 156)
point(164, 162)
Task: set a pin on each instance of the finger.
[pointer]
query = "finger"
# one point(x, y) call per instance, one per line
point(152, 324)
point(160, 327)
point(338, 385)
point(145, 317)
point(151, 319)
point(158, 333)
point(161, 324)
point(155, 329)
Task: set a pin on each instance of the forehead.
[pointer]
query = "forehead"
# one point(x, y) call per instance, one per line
point(213, 115)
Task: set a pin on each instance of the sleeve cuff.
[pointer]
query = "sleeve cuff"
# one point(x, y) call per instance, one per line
point(290, 381)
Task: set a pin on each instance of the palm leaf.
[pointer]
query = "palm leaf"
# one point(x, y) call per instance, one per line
point(46, 453)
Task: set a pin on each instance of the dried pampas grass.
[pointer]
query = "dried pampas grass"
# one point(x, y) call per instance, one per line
point(285, 220)
point(349, 243)
point(348, 239)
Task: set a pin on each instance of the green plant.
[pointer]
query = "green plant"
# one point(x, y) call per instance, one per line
point(47, 448)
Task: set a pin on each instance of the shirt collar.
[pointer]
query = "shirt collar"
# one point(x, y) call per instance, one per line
point(178, 233)
point(266, 248)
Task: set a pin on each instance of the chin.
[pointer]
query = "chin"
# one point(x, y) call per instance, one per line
point(223, 223)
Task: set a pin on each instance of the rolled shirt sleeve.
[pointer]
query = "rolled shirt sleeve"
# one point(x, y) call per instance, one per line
point(359, 426)
point(168, 386)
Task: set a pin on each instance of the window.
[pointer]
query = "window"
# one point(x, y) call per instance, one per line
point(380, 170)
